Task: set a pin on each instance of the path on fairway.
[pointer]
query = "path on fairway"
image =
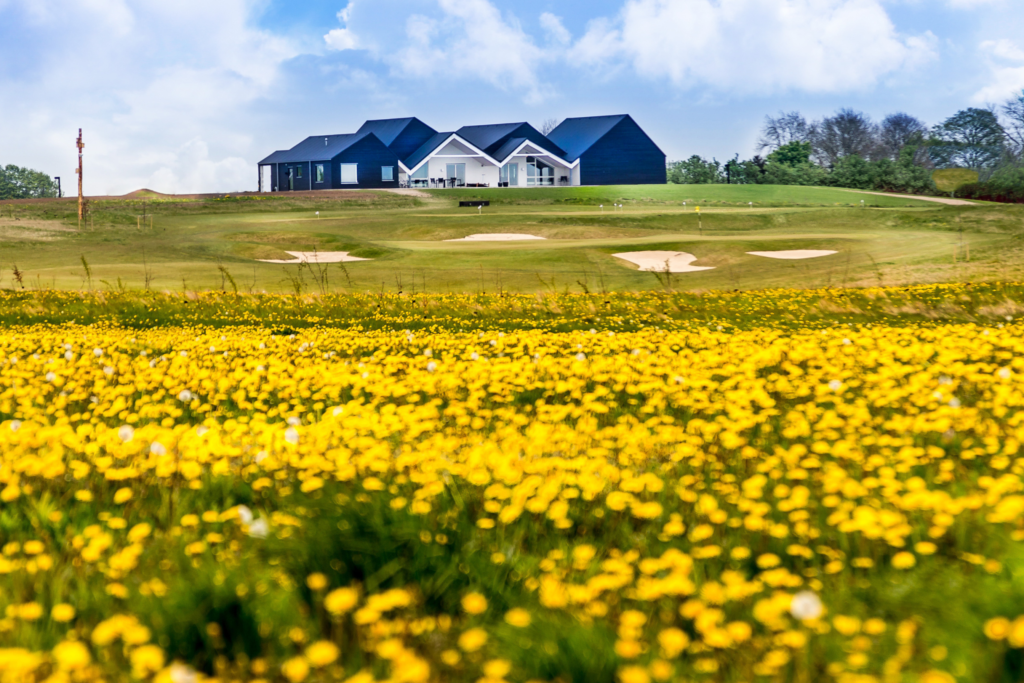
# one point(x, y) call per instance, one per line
point(938, 200)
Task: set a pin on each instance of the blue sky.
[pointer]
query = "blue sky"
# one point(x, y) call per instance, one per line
point(187, 96)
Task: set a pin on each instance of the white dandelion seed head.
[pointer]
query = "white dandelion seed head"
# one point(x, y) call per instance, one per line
point(97, 352)
point(581, 356)
point(15, 425)
point(259, 528)
point(182, 673)
point(157, 449)
point(806, 606)
point(294, 421)
point(260, 457)
point(244, 514)
point(185, 396)
point(431, 366)
point(1005, 373)
point(50, 376)
point(835, 385)
point(68, 355)
point(107, 370)
point(291, 435)
point(126, 433)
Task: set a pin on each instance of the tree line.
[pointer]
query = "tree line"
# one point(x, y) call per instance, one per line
point(24, 183)
point(898, 154)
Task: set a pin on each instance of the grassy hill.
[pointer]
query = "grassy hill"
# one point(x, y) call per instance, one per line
point(175, 243)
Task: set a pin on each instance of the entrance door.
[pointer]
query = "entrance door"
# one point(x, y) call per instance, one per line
point(291, 178)
point(458, 172)
point(513, 175)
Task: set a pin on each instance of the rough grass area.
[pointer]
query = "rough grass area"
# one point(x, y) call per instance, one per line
point(195, 243)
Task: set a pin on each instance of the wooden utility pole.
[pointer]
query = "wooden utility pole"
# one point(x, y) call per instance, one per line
point(81, 199)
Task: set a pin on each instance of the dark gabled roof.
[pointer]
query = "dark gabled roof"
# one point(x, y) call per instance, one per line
point(386, 129)
point(488, 136)
point(425, 149)
point(494, 137)
point(275, 158)
point(316, 148)
point(510, 146)
point(578, 135)
point(401, 136)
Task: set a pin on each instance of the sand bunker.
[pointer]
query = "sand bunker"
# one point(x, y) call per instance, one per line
point(497, 237)
point(793, 254)
point(662, 261)
point(317, 257)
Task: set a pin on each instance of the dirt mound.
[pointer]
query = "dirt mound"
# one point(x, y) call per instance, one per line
point(145, 194)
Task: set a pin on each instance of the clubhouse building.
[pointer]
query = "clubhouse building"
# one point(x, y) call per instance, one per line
point(391, 153)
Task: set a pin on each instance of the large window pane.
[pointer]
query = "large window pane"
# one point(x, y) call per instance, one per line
point(349, 174)
point(387, 173)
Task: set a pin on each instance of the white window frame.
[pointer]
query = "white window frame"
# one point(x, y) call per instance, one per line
point(384, 179)
point(341, 174)
point(320, 173)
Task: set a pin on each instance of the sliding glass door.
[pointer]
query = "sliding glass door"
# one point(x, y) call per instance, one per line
point(509, 175)
point(456, 172)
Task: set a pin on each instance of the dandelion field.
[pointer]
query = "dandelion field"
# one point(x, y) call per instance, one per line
point(784, 486)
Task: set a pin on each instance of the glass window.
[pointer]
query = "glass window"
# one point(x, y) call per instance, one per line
point(349, 174)
point(538, 172)
point(298, 171)
point(387, 173)
point(421, 173)
point(319, 173)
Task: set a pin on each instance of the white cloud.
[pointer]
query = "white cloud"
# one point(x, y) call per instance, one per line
point(140, 78)
point(1005, 60)
point(755, 46)
point(189, 169)
point(554, 29)
point(343, 38)
point(472, 40)
point(1004, 49)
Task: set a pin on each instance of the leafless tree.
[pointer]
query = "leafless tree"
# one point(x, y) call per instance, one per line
point(548, 126)
point(1013, 111)
point(786, 128)
point(897, 131)
point(847, 132)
